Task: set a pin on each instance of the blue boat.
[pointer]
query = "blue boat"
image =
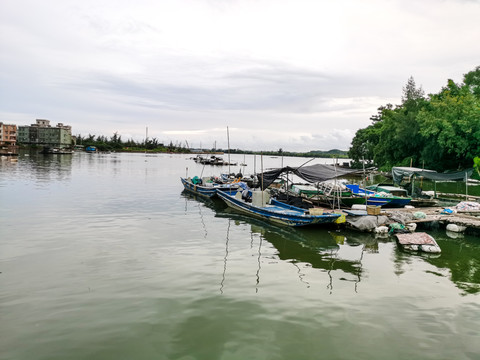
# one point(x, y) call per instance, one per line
point(276, 212)
point(399, 195)
point(206, 189)
point(375, 198)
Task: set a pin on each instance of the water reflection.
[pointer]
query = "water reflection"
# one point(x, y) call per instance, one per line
point(314, 248)
point(459, 260)
point(44, 168)
point(340, 254)
point(305, 248)
point(461, 257)
point(258, 261)
point(225, 258)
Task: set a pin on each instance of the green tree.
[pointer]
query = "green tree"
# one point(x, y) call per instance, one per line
point(472, 80)
point(476, 164)
point(393, 138)
point(451, 122)
point(363, 145)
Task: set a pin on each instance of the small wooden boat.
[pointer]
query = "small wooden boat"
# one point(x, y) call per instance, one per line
point(274, 211)
point(205, 188)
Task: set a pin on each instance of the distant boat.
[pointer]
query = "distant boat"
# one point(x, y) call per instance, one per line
point(91, 149)
point(274, 211)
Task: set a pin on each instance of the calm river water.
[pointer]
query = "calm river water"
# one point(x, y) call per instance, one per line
point(102, 256)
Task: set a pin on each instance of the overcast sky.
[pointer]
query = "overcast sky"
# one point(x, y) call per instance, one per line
point(292, 74)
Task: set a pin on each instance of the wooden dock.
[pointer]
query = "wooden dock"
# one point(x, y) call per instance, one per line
point(466, 219)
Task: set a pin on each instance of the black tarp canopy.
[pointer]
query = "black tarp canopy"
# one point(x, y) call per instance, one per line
point(399, 173)
point(311, 173)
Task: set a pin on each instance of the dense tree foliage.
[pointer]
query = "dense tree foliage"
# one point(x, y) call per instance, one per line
point(440, 132)
point(115, 143)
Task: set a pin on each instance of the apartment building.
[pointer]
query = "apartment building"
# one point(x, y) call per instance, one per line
point(8, 134)
point(44, 134)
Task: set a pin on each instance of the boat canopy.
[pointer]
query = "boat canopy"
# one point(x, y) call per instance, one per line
point(311, 173)
point(399, 173)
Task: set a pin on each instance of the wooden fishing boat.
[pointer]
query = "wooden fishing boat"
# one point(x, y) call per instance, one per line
point(274, 211)
point(304, 200)
point(204, 188)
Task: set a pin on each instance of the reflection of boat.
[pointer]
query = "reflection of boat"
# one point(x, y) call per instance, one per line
point(303, 247)
point(204, 187)
point(275, 211)
point(58, 151)
point(319, 248)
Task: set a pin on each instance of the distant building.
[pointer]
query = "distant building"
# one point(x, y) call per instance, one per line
point(42, 133)
point(8, 134)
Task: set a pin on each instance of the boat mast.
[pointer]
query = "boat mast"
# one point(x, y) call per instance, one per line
point(146, 138)
point(338, 190)
point(261, 167)
point(364, 181)
point(228, 142)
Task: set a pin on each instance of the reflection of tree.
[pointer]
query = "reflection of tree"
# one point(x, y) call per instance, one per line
point(460, 256)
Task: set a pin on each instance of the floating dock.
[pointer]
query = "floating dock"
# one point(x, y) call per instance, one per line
point(465, 219)
point(461, 221)
point(419, 241)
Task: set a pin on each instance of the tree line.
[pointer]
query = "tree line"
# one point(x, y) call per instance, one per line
point(115, 143)
point(440, 131)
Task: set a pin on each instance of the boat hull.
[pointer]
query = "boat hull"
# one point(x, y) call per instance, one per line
point(277, 213)
point(206, 191)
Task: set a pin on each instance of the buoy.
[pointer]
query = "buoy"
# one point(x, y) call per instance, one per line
point(381, 230)
point(456, 228)
point(411, 227)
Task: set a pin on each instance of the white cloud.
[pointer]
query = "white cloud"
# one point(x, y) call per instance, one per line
point(296, 75)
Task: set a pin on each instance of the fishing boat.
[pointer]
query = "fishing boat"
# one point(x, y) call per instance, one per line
point(320, 191)
point(321, 194)
point(205, 187)
point(336, 192)
point(262, 207)
point(379, 198)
